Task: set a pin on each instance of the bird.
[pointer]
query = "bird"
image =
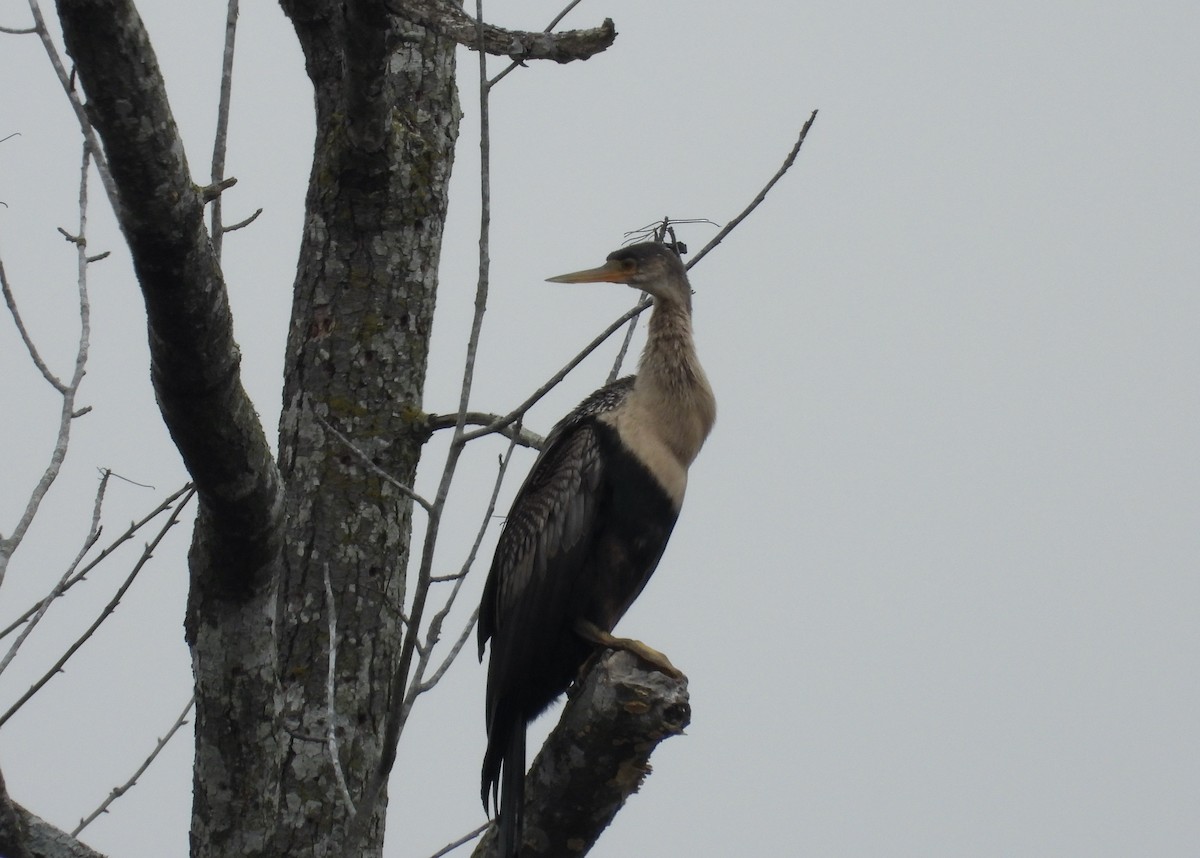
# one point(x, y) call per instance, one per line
point(589, 524)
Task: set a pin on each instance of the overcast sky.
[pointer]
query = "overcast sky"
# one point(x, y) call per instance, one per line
point(935, 583)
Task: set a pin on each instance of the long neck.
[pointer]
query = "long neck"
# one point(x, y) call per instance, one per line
point(669, 360)
point(671, 384)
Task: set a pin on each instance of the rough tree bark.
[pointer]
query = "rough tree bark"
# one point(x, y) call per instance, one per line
point(279, 548)
point(387, 121)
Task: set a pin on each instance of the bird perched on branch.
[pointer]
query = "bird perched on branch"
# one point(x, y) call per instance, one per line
point(589, 524)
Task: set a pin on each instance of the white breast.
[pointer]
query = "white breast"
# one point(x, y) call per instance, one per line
point(644, 439)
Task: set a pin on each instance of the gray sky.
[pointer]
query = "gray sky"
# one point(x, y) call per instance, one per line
point(935, 583)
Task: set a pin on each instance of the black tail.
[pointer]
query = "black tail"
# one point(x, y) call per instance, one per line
point(512, 793)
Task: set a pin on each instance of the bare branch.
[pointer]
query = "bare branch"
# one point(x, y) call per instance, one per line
point(92, 536)
point(69, 391)
point(549, 28)
point(11, 301)
point(642, 303)
point(420, 685)
point(242, 224)
point(762, 195)
point(119, 791)
point(18, 31)
point(466, 838)
point(82, 573)
point(518, 433)
point(437, 675)
point(221, 137)
point(449, 20)
point(46, 841)
point(147, 553)
point(68, 84)
point(519, 412)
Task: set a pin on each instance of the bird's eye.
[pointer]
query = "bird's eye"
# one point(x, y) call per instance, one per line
point(628, 266)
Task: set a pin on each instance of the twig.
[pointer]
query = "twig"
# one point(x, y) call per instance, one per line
point(17, 31)
point(11, 301)
point(242, 224)
point(82, 573)
point(375, 469)
point(68, 85)
point(787, 163)
point(519, 412)
point(523, 436)
point(419, 684)
point(67, 413)
point(466, 838)
point(129, 784)
point(642, 303)
point(436, 676)
point(330, 699)
point(221, 137)
point(92, 537)
point(147, 553)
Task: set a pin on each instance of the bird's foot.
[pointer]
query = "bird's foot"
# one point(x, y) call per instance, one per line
point(591, 632)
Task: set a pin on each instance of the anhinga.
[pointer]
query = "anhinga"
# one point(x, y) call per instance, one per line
point(588, 526)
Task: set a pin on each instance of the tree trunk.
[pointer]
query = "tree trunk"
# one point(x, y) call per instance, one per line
point(387, 120)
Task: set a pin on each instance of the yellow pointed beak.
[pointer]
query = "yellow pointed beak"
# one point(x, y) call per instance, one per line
point(610, 272)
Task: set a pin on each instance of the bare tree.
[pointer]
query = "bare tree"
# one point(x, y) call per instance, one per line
point(310, 617)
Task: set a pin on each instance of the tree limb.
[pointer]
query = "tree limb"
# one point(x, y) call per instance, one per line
point(13, 836)
point(448, 19)
point(762, 194)
point(45, 841)
point(195, 363)
point(597, 756)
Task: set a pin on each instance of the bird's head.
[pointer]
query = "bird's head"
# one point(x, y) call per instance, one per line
point(651, 267)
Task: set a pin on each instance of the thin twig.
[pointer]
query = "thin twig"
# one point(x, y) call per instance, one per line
point(371, 466)
point(68, 85)
point(523, 436)
point(11, 301)
point(519, 412)
point(419, 684)
point(17, 31)
point(221, 138)
point(466, 838)
point(92, 537)
point(147, 553)
point(67, 413)
point(129, 784)
point(436, 676)
point(787, 163)
point(330, 698)
point(642, 303)
point(103, 555)
point(242, 224)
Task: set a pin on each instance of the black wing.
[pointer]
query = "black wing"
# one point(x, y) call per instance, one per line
point(526, 605)
point(552, 511)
